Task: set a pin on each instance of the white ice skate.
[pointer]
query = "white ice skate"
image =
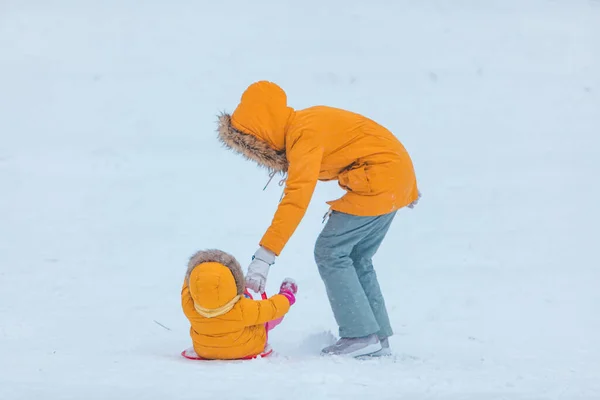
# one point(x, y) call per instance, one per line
point(354, 347)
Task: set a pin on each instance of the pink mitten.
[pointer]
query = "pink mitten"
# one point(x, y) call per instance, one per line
point(289, 288)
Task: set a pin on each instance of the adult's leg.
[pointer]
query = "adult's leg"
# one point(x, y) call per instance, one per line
point(362, 257)
point(349, 302)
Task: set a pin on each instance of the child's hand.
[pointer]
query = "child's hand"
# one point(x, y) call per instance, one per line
point(289, 285)
point(289, 288)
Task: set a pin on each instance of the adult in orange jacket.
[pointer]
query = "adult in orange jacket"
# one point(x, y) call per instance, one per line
point(321, 144)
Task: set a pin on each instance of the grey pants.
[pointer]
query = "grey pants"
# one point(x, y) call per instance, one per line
point(343, 253)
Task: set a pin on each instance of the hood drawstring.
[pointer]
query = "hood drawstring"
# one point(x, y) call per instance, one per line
point(327, 214)
point(271, 175)
point(281, 182)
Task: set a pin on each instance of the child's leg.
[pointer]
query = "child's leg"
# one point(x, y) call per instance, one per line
point(272, 324)
point(362, 255)
point(349, 303)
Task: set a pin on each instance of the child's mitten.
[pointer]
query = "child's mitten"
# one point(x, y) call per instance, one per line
point(289, 288)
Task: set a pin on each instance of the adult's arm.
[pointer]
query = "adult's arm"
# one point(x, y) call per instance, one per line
point(304, 156)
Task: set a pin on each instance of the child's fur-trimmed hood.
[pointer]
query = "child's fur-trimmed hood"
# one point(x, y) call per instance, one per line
point(221, 257)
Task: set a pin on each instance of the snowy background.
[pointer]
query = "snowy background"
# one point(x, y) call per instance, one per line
point(111, 177)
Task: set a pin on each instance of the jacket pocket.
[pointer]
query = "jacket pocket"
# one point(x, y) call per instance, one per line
point(355, 180)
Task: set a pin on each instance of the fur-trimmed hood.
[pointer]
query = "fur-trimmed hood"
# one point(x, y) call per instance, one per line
point(221, 257)
point(258, 126)
point(251, 147)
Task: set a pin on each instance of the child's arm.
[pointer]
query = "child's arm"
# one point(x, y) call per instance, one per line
point(257, 312)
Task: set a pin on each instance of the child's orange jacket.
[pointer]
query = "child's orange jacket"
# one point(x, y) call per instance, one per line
point(225, 325)
point(319, 143)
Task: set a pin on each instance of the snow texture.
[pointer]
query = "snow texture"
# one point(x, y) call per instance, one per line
point(111, 177)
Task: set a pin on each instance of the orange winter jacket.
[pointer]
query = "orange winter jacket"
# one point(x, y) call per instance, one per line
point(318, 143)
point(225, 325)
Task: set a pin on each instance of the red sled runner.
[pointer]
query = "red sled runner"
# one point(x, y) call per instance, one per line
point(190, 354)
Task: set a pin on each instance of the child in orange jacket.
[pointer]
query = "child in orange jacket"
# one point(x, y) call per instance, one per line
point(225, 325)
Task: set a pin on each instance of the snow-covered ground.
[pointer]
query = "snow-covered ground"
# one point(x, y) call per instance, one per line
point(111, 177)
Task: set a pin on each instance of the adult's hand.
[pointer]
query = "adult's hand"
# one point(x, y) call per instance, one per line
point(258, 270)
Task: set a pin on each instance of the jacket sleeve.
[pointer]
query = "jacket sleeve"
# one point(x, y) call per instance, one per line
point(304, 156)
point(257, 312)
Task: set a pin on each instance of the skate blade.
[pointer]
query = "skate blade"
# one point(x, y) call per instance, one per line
point(383, 353)
point(367, 351)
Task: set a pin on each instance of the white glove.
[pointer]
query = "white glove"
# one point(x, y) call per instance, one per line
point(256, 278)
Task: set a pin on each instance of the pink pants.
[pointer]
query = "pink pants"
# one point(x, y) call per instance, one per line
point(272, 324)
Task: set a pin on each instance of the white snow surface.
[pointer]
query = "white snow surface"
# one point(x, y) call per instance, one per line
point(111, 176)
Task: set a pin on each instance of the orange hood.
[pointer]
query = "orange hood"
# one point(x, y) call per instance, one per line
point(257, 128)
point(264, 113)
point(214, 279)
